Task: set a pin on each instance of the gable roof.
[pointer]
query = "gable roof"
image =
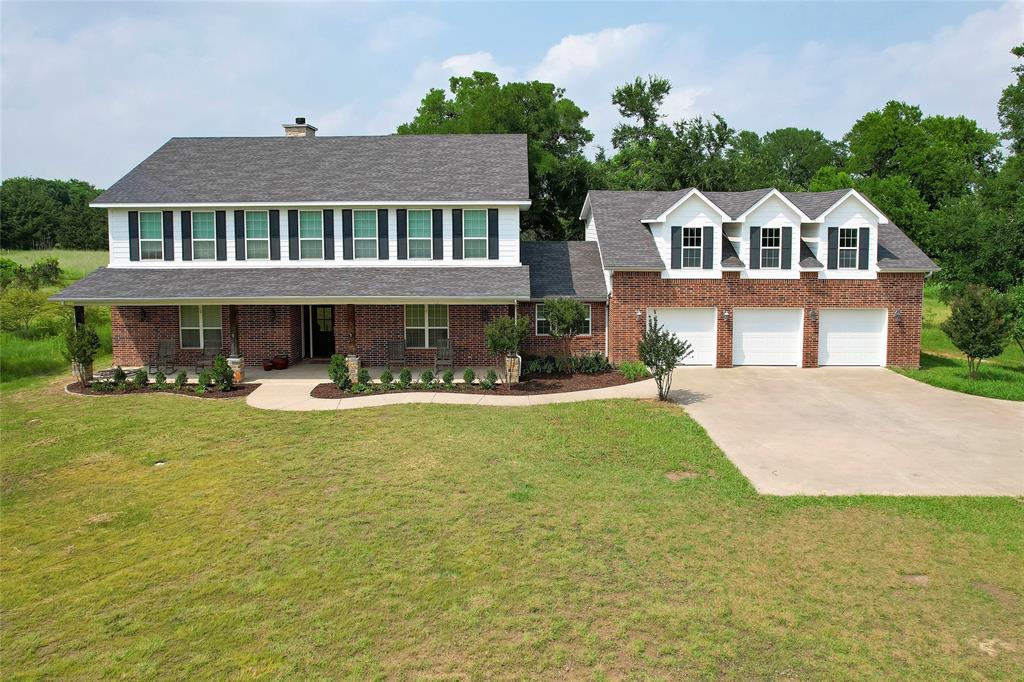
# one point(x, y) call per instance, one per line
point(664, 204)
point(571, 269)
point(818, 204)
point(388, 168)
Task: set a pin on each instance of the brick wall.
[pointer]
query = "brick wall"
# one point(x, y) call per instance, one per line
point(546, 345)
point(632, 291)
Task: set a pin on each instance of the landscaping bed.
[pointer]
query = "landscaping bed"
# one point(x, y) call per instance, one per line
point(239, 391)
point(529, 384)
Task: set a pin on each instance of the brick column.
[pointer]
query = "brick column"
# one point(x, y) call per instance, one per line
point(723, 342)
point(810, 354)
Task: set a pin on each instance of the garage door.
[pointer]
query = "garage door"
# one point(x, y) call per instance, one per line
point(852, 337)
point(767, 336)
point(695, 325)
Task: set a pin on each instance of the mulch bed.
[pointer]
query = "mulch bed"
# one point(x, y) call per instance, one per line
point(529, 384)
point(239, 391)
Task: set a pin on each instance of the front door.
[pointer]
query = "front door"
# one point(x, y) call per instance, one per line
point(322, 330)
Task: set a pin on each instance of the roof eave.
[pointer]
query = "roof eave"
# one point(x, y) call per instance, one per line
point(522, 203)
point(881, 217)
point(712, 205)
point(773, 192)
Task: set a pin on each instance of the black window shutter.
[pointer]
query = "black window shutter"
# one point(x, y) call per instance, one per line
point(457, 233)
point(346, 233)
point(133, 235)
point(293, 234)
point(186, 235)
point(328, 234)
point(862, 248)
point(168, 235)
point(382, 233)
point(402, 234)
point(492, 234)
point(239, 235)
point(437, 216)
point(677, 246)
point(275, 234)
point(221, 221)
point(833, 248)
point(787, 247)
point(708, 248)
point(755, 248)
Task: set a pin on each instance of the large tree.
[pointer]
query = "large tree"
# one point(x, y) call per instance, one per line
point(559, 173)
point(1011, 107)
point(37, 213)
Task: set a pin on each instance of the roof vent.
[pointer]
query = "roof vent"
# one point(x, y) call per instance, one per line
point(299, 129)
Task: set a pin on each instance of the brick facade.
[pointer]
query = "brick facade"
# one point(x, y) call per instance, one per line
point(546, 345)
point(632, 291)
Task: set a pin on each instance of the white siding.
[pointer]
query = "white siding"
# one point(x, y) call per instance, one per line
point(590, 235)
point(508, 243)
point(772, 213)
point(854, 214)
point(694, 212)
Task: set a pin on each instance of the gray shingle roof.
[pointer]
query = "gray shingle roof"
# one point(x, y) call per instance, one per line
point(391, 168)
point(625, 241)
point(807, 259)
point(730, 259)
point(815, 203)
point(897, 252)
point(570, 269)
point(735, 203)
point(112, 285)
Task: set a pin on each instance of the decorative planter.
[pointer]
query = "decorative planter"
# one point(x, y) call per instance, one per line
point(280, 362)
point(82, 371)
point(513, 368)
point(268, 365)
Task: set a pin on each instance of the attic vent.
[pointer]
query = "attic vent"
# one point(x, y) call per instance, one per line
point(299, 129)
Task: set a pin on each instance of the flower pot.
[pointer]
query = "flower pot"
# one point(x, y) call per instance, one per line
point(280, 362)
point(82, 370)
point(268, 365)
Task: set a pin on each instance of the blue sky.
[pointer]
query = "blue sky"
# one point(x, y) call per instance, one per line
point(90, 89)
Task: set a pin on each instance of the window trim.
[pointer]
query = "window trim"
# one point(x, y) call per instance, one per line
point(212, 240)
point(373, 240)
point(142, 241)
point(855, 248)
point(409, 239)
point(202, 327)
point(245, 222)
point(426, 324)
point(764, 249)
point(485, 239)
point(699, 248)
point(310, 239)
point(537, 316)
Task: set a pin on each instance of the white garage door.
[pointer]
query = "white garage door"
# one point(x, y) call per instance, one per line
point(695, 325)
point(767, 336)
point(852, 337)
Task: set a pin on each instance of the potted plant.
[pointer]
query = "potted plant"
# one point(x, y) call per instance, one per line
point(268, 364)
point(281, 362)
point(505, 336)
point(80, 347)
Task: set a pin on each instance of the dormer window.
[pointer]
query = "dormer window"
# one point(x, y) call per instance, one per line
point(420, 234)
point(311, 235)
point(771, 247)
point(365, 233)
point(151, 236)
point(692, 244)
point(848, 248)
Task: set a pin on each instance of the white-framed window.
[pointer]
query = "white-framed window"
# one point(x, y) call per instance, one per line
point(420, 233)
point(771, 247)
point(204, 236)
point(425, 325)
point(151, 235)
point(474, 233)
point(257, 235)
point(200, 326)
point(365, 233)
point(543, 327)
point(691, 247)
point(311, 235)
point(848, 247)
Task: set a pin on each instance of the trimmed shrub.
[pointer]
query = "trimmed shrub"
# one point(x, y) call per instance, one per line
point(205, 380)
point(592, 363)
point(180, 380)
point(469, 376)
point(405, 377)
point(159, 380)
point(448, 378)
point(119, 377)
point(338, 373)
point(140, 378)
point(426, 378)
point(633, 370)
point(364, 376)
point(490, 381)
point(223, 375)
point(385, 379)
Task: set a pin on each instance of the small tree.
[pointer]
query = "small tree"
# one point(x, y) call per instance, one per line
point(338, 372)
point(662, 351)
point(21, 306)
point(566, 317)
point(1016, 298)
point(505, 336)
point(81, 344)
point(223, 374)
point(979, 325)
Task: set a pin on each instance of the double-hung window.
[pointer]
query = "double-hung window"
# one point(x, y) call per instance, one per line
point(425, 325)
point(200, 326)
point(474, 233)
point(692, 241)
point(257, 235)
point(771, 247)
point(848, 247)
point(151, 235)
point(365, 233)
point(204, 236)
point(311, 235)
point(420, 234)
point(543, 327)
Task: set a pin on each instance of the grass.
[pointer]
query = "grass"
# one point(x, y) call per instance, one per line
point(443, 541)
point(22, 358)
point(944, 366)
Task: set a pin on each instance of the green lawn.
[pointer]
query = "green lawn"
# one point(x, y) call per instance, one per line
point(468, 542)
point(944, 366)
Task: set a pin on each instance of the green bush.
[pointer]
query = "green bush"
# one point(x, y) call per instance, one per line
point(200, 388)
point(180, 380)
point(159, 380)
point(205, 379)
point(490, 381)
point(979, 325)
point(338, 372)
point(405, 377)
point(43, 272)
point(468, 376)
point(119, 377)
point(448, 378)
point(364, 376)
point(385, 379)
point(662, 351)
point(140, 378)
point(592, 363)
point(81, 344)
point(223, 375)
point(426, 378)
point(633, 370)
point(103, 386)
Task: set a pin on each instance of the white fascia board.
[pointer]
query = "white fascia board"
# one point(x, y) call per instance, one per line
point(664, 216)
point(522, 203)
point(882, 219)
point(586, 207)
point(742, 218)
point(289, 300)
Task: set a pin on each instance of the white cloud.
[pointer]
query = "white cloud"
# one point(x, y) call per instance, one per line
point(466, 64)
point(582, 55)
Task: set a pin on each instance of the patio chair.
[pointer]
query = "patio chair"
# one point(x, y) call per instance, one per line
point(164, 358)
point(443, 356)
point(396, 354)
point(207, 357)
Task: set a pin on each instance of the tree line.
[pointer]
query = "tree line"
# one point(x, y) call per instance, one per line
point(39, 214)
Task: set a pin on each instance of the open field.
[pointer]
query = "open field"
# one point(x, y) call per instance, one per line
point(455, 541)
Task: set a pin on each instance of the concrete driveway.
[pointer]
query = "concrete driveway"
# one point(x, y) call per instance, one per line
point(840, 431)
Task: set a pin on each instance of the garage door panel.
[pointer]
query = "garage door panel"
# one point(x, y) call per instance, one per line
point(694, 325)
point(852, 336)
point(767, 336)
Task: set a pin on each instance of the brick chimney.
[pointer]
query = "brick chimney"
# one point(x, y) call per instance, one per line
point(299, 129)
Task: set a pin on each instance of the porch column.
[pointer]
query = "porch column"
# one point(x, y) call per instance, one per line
point(235, 360)
point(79, 316)
point(351, 349)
